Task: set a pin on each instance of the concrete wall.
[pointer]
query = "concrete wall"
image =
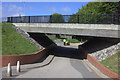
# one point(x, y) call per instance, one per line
point(26, 58)
point(42, 39)
point(100, 66)
point(98, 30)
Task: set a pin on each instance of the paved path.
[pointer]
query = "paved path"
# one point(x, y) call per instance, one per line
point(67, 63)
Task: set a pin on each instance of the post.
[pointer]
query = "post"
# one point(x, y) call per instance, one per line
point(29, 19)
point(117, 18)
point(50, 18)
point(112, 18)
point(77, 18)
point(8, 19)
point(18, 66)
point(11, 19)
point(9, 71)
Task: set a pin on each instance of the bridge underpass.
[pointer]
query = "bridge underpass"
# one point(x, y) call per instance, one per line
point(68, 62)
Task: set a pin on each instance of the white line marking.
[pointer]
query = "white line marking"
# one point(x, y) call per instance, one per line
point(86, 66)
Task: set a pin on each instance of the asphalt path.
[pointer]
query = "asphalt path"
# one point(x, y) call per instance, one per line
point(67, 63)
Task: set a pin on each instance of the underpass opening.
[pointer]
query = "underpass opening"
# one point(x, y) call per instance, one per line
point(70, 58)
point(88, 43)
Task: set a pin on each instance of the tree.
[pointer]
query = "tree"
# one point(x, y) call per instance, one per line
point(91, 13)
point(56, 18)
point(73, 19)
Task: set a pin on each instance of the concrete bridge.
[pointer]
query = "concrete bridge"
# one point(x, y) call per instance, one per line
point(98, 30)
point(101, 26)
point(73, 58)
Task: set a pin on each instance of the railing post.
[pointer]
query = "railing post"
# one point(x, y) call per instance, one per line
point(77, 18)
point(8, 19)
point(117, 18)
point(29, 19)
point(50, 18)
point(112, 18)
point(11, 20)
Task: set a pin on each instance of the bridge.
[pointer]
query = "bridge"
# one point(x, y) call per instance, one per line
point(102, 25)
point(75, 65)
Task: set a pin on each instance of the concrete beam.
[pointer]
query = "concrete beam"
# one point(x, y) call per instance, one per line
point(98, 30)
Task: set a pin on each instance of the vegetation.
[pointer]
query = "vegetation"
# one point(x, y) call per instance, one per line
point(56, 18)
point(70, 40)
point(13, 43)
point(86, 13)
point(112, 63)
point(73, 40)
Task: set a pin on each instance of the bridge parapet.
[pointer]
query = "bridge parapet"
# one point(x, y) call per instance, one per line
point(81, 19)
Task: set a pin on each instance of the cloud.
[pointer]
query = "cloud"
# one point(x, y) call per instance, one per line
point(53, 9)
point(66, 9)
point(18, 14)
point(0, 7)
point(0, 12)
point(11, 10)
point(32, 9)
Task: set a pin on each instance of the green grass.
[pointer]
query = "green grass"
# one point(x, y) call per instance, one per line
point(70, 40)
point(53, 38)
point(73, 40)
point(15, 44)
point(112, 63)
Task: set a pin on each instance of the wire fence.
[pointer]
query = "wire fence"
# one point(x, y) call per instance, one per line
point(81, 19)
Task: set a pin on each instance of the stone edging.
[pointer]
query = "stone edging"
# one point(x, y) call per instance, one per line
point(100, 66)
point(25, 58)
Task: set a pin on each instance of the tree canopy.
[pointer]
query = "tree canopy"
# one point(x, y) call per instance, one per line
point(88, 13)
point(99, 8)
point(57, 18)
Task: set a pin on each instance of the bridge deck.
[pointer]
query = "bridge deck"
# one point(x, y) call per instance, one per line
point(99, 30)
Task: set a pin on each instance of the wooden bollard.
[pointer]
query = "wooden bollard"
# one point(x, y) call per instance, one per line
point(18, 66)
point(9, 70)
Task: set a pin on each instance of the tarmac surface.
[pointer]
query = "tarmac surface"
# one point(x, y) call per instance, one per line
point(67, 62)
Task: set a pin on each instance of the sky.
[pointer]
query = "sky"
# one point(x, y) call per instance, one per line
point(40, 8)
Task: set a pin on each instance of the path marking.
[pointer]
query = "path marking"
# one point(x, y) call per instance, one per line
point(86, 66)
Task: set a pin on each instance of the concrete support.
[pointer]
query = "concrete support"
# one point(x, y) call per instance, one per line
point(18, 66)
point(9, 70)
point(42, 39)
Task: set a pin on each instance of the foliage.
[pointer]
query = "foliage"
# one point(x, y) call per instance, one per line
point(56, 18)
point(88, 12)
point(13, 43)
point(61, 39)
point(73, 40)
point(73, 18)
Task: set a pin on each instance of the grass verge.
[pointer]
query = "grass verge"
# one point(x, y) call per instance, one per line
point(112, 63)
point(15, 44)
point(70, 40)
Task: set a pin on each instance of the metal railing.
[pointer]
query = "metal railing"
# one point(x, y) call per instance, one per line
point(82, 19)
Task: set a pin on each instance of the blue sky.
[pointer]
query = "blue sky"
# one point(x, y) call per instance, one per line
point(40, 8)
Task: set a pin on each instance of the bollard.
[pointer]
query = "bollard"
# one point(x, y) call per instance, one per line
point(18, 66)
point(9, 70)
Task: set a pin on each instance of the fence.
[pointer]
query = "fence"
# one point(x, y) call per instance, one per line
point(82, 19)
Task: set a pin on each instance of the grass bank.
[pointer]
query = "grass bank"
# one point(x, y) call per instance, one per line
point(112, 63)
point(15, 44)
point(70, 40)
